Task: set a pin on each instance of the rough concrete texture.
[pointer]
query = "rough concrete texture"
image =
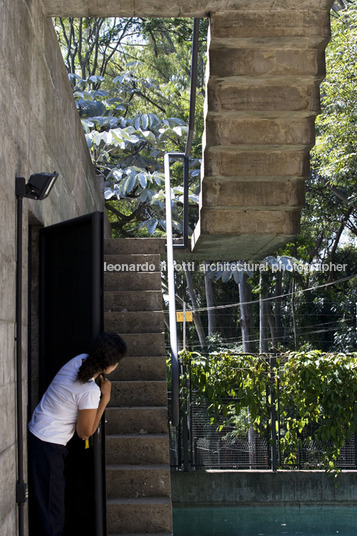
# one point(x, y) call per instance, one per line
point(225, 221)
point(145, 393)
point(145, 282)
point(162, 8)
point(232, 95)
point(242, 245)
point(40, 131)
point(136, 420)
point(256, 162)
point(132, 300)
point(143, 263)
point(128, 246)
point(138, 481)
point(139, 346)
point(265, 66)
point(129, 516)
point(269, 61)
point(239, 128)
point(137, 441)
point(289, 193)
point(135, 321)
point(300, 20)
point(150, 368)
point(263, 488)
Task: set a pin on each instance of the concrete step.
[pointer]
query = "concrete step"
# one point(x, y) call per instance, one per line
point(133, 516)
point(224, 221)
point(132, 280)
point(289, 162)
point(224, 128)
point(262, 95)
point(145, 262)
point(137, 481)
point(224, 193)
point(295, 61)
point(132, 300)
point(121, 246)
point(147, 344)
point(310, 41)
point(136, 420)
point(137, 449)
point(140, 368)
point(272, 23)
point(135, 321)
point(138, 393)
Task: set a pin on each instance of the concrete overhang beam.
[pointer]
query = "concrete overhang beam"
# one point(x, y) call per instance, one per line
point(163, 8)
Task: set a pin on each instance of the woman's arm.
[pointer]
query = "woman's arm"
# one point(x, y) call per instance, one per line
point(88, 419)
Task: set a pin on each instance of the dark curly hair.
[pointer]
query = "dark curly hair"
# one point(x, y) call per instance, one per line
point(106, 350)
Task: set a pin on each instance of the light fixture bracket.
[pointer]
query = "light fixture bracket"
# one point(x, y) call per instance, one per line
point(38, 187)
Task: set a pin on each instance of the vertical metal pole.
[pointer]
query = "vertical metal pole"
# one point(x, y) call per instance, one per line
point(21, 486)
point(184, 326)
point(274, 464)
point(172, 299)
point(185, 438)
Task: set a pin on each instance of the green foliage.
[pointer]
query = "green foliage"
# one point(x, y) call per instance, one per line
point(317, 396)
point(330, 211)
point(316, 393)
point(131, 83)
point(335, 150)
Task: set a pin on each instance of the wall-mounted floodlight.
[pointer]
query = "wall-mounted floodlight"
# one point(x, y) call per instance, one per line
point(38, 187)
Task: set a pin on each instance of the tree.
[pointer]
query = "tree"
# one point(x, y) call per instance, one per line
point(131, 84)
point(334, 158)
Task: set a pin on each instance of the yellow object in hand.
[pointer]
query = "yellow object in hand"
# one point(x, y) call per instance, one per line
point(86, 443)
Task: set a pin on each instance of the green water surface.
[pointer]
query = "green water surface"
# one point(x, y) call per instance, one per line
point(266, 521)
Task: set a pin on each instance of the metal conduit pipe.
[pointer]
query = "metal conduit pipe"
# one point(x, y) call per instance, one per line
point(169, 235)
point(38, 188)
point(172, 300)
point(21, 486)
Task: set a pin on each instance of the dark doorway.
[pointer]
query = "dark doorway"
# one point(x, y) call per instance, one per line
point(71, 316)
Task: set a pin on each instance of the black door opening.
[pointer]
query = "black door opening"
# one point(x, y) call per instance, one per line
point(71, 316)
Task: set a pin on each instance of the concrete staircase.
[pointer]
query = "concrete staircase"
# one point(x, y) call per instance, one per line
point(266, 62)
point(137, 443)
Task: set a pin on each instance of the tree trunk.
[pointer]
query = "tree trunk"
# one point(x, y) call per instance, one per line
point(279, 329)
point(247, 328)
point(293, 313)
point(246, 315)
point(271, 324)
point(263, 310)
point(210, 301)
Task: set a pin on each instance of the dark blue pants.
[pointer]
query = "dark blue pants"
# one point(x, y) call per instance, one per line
point(47, 487)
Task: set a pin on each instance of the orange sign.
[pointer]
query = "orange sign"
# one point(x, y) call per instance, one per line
point(188, 316)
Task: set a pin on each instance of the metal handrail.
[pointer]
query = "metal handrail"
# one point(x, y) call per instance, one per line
point(169, 235)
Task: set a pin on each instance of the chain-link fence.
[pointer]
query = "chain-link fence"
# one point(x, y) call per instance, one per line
point(200, 444)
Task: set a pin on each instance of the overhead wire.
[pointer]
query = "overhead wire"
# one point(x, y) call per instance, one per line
point(274, 298)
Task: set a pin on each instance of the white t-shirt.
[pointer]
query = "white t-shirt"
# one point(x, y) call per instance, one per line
point(54, 419)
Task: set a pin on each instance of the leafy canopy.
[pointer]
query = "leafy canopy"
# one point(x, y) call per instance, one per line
point(315, 393)
point(131, 83)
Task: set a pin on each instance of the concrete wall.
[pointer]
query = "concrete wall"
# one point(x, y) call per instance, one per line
point(248, 488)
point(40, 131)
